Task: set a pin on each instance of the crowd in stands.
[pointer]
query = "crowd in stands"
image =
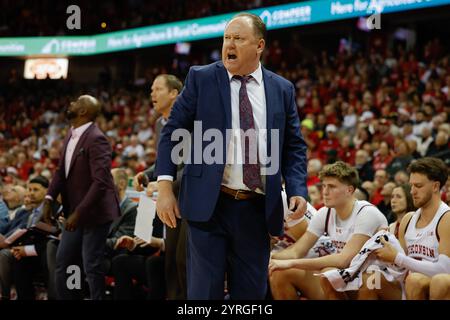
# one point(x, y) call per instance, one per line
point(49, 17)
point(377, 111)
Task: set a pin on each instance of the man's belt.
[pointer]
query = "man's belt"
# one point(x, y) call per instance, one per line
point(240, 194)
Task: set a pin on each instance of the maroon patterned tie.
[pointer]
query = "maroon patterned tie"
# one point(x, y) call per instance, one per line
point(251, 171)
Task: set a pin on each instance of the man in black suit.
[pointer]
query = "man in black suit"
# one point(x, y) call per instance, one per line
point(122, 226)
point(90, 201)
point(30, 257)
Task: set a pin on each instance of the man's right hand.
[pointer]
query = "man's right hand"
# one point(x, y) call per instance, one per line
point(166, 204)
point(47, 215)
point(284, 254)
point(275, 264)
point(140, 181)
point(151, 188)
point(125, 242)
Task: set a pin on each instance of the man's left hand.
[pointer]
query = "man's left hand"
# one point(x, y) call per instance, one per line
point(387, 253)
point(18, 252)
point(72, 221)
point(297, 205)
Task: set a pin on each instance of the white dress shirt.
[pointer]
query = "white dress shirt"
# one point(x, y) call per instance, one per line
point(233, 175)
point(73, 141)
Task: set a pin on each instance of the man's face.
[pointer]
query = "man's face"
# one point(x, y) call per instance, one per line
point(241, 48)
point(360, 158)
point(387, 189)
point(384, 149)
point(331, 134)
point(314, 194)
point(36, 193)
point(380, 178)
point(11, 195)
point(422, 189)
point(335, 193)
point(345, 142)
point(311, 169)
point(21, 157)
point(162, 98)
point(74, 109)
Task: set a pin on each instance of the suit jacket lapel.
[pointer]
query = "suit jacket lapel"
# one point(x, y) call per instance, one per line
point(271, 103)
point(225, 95)
point(65, 143)
point(225, 92)
point(80, 146)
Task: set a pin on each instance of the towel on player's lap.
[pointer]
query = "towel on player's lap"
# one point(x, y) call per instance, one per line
point(351, 277)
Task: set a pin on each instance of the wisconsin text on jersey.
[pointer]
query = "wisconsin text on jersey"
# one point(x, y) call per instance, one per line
point(419, 249)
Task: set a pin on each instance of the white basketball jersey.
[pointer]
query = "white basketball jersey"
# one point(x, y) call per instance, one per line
point(341, 231)
point(422, 243)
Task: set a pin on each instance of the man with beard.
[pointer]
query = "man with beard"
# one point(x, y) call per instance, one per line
point(90, 201)
point(424, 234)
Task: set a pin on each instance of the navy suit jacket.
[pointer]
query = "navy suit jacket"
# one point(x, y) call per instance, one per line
point(89, 188)
point(206, 97)
point(19, 221)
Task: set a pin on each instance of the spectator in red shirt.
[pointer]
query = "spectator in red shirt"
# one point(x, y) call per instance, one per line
point(315, 196)
point(362, 136)
point(330, 114)
point(382, 157)
point(311, 137)
point(314, 167)
point(329, 143)
point(23, 166)
point(402, 157)
point(347, 152)
point(383, 133)
point(381, 178)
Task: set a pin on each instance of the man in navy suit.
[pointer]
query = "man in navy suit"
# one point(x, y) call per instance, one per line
point(90, 201)
point(234, 204)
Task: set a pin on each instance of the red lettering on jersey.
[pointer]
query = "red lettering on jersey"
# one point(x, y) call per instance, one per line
point(420, 249)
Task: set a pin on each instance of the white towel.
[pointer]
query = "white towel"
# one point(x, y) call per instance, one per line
point(351, 278)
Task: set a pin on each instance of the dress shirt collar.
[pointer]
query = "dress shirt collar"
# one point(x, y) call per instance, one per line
point(76, 133)
point(257, 74)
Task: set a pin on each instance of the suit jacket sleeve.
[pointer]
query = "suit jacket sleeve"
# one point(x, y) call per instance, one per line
point(3, 225)
point(41, 246)
point(99, 154)
point(150, 173)
point(294, 151)
point(181, 117)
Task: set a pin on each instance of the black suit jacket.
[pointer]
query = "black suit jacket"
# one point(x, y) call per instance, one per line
point(124, 225)
point(40, 243)
point(89, 187)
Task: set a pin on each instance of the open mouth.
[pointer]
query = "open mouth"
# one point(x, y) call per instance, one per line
point(231, 57)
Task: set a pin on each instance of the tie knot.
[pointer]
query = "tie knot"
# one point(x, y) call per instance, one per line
point(243, 79)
